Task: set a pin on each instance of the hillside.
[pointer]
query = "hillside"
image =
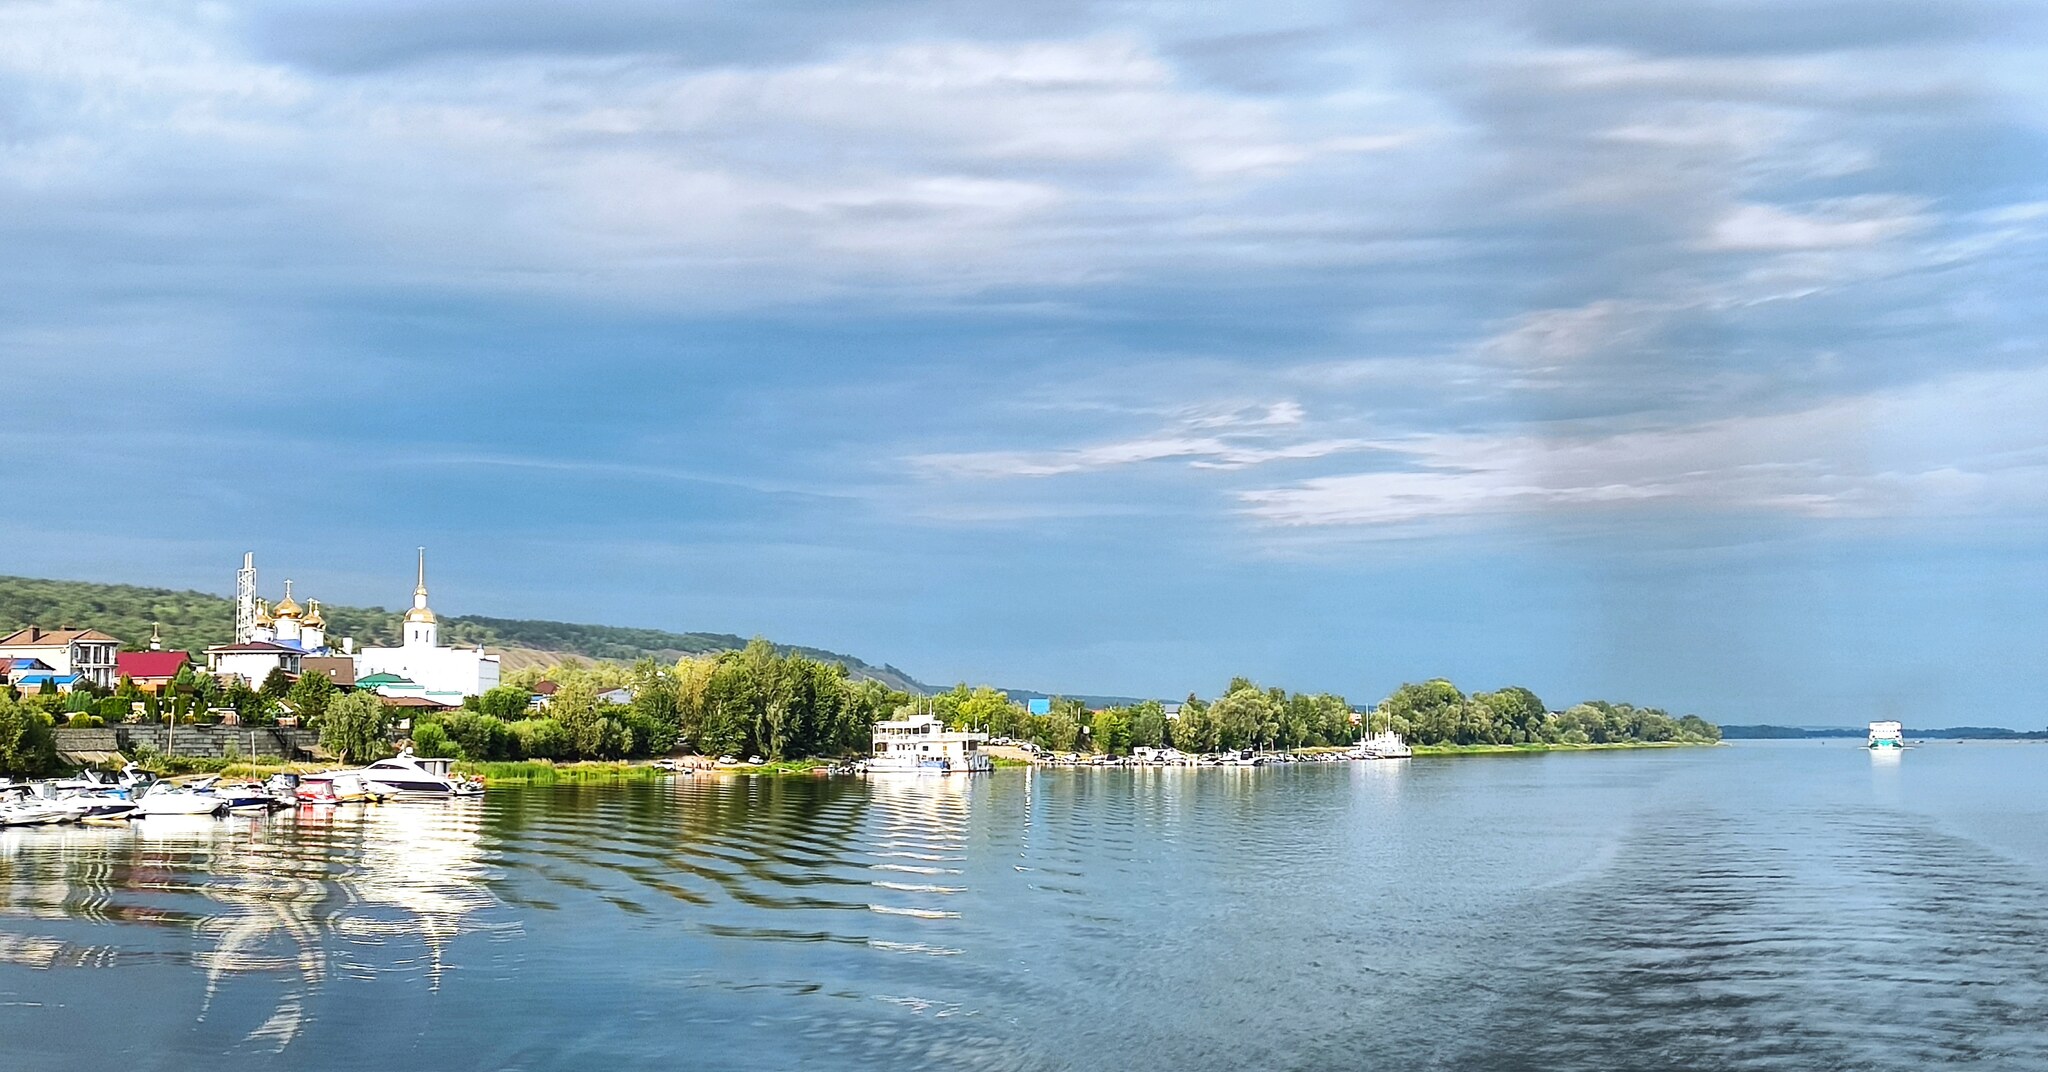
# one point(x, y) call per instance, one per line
point(197, 620)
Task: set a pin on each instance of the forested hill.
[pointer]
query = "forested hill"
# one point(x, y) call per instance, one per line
point(194, 621)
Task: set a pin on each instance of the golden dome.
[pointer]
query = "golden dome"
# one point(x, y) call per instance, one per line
point(285, 607)
point(313, 617)
point(419, 614)
point(262, 613)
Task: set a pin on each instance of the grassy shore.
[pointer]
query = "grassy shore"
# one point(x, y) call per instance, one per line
point(1522, 749)
point(543, 772)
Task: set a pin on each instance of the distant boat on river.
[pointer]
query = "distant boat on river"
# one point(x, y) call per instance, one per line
point(1887, 735)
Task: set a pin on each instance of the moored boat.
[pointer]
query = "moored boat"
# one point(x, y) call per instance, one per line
point(335, 787)
point(163, 798)
point(921, 744)
point(407, 776)
point(1386, 744)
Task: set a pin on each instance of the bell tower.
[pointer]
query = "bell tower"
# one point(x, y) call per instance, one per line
point(420, 628)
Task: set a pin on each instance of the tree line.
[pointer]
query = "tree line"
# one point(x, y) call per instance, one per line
point(779, 705)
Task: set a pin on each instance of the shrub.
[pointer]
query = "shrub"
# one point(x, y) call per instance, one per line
point(84, 721)
point(429, 739)
point(481, 737)
point(541, 738)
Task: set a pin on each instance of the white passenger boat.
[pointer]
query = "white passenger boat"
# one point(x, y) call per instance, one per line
point(409, 776)
point(1887, 735)
point(1386, 744)
point(921, 744)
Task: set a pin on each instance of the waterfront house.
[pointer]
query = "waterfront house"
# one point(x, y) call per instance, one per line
point(87, 653)
point(254, 660)
point(150, 671)
point(543, 695)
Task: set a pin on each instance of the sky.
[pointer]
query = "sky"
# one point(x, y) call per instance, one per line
point(1687, 354)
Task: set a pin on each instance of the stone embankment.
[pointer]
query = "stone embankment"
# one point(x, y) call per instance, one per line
point(214, 742)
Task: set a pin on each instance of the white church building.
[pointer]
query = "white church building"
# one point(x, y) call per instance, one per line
point(434, 672)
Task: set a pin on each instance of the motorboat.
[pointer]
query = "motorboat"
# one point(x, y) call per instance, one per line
point(21, 806)
point(335, 787)
point(240, 796)
point(87, 800)
point(1886, 735)
point(163, 798)
point(409, 776)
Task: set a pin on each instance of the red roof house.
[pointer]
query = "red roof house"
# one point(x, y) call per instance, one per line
point(150, 669)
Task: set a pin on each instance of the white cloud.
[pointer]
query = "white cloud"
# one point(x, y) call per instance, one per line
point(1843, 223)
point(1960, 445)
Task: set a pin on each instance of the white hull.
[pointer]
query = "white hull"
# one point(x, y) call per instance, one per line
point(892, 766)
point(180, 804)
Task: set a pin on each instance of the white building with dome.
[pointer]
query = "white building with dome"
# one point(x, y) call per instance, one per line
point(434, 672)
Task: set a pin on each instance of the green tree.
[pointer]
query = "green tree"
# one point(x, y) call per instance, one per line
point(1112, 734)
point(310, 696)
point(355, 726)
point(28, 748)
point(507, 703)
point(430, 739)
point(657, 715)
point(276, 685)
point(1196, 729)
point(542, 738)
point(1148, 724)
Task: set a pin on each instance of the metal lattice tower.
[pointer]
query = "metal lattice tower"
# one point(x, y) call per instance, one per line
point(245, 599)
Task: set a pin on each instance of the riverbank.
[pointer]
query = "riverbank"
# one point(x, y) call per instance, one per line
point(1526, 749)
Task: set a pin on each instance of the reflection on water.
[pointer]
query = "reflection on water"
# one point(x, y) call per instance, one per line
point(1775, 907)
point(265, 908)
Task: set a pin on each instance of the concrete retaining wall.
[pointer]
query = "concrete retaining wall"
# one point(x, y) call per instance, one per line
point(211, 741)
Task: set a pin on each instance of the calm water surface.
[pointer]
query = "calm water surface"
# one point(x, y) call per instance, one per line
point(1762, 906)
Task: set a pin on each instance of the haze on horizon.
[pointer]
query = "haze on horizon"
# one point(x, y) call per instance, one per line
point(1691, 357)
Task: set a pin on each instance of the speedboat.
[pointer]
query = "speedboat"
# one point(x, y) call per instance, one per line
point(20, 806)
point(409, 776)
point(336, 787)
point(242, 796)
point(163, 798)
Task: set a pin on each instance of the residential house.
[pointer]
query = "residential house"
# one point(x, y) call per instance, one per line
point(30, 683)
point(150, 671)
point(14, 668)
point(253, 661)
point(87, 653)
point(340, 669)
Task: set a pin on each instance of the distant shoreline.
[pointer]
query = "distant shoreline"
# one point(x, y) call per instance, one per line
point(1766, 732)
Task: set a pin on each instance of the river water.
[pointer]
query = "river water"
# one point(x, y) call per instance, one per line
point(1796, 905)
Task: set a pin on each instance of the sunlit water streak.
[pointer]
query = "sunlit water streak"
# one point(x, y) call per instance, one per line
point(1753, 907)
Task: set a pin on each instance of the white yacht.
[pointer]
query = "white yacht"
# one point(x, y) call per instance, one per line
point(408, 775)
point(163, 798)
point(1887, 735)
point(921, 744)
point(1386, 744)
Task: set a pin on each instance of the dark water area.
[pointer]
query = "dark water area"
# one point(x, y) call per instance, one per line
point(1766, 905)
